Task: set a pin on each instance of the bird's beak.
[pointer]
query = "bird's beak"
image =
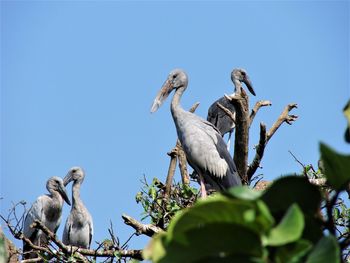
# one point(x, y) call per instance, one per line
point(68, 178)
point(162, 95)
point(249, 85)
point(63, 193)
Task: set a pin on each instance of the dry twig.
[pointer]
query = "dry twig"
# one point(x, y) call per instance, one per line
point(264, 138)
point(258, 105)
point(145, 229)
point(284, 117)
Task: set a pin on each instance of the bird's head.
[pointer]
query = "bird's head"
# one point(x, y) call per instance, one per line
point(177, 79)
point(55, 183)
point(75, 174)
point(241, 75)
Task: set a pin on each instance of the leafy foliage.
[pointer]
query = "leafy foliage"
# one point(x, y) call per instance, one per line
point(248, 226)
point(336, 167)
point(160, 207)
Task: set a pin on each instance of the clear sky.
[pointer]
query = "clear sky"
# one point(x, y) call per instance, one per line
point(78, 79)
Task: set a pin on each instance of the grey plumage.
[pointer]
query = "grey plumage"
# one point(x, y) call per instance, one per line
point(217, 116)
point(48, 210)
point(78, 230)
point(202, 143)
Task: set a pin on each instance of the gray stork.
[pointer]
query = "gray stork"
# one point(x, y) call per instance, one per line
point(217, 116)
point(48, 210)
point(78, 230)
point(202, 143)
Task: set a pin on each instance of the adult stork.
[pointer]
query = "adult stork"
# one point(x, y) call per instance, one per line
point(202, 143)
point(78, 230)
point(217, 116)
point(48, 210)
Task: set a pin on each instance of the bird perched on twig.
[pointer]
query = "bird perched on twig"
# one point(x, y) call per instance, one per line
point(48, 210)
point(78, 230)
point(201, 141)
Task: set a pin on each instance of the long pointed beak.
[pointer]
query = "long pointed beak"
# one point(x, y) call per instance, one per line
point(162, 95)
point(63, 193)
point(249, 85)
point(67, 179)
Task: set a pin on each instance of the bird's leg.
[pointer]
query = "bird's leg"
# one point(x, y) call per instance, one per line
point(203, 191)
point(229, 141)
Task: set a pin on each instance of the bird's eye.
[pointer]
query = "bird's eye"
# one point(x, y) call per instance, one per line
point(174, 76)
point(243, 73)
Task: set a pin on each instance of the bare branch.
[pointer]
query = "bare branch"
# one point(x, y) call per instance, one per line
point(171, 170)
point(145, 229)
point(182, 163)
point(260, 148)
point(258, 105)
point(262, 185)
point(137, 254)
point(241, 104)
point(227, 111)
point(319, 182)
point(284, 117)
point(194, 107)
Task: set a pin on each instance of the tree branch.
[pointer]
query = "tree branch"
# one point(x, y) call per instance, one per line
point(145, 229)
point(260, 149)
point(137, 254)
point(264, 138)
point(79, 253)
point(284, 117)
point(258, 105)
point(227, 111)
point(171, 171)
point(241, 104)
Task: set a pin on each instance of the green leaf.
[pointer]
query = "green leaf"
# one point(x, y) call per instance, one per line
point(336, 213)
point(152, 193)
point(215, 242)
point(294, 189)
point(289, 229)
point(155, 249)
point(326, 250)
point(292, 253)
point(3, 252)
point(337, 167)
point(220, 209)
point(243, 192)
point(117, 255)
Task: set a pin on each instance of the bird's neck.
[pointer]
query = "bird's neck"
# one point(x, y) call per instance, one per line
point(76, 193)
point(238, 86)
point(175, 103)
point(56, 199)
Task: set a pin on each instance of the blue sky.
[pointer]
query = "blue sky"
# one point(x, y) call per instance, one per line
point(78, 79)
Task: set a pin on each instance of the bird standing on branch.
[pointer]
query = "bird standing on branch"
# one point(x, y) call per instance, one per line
point(218, 116)
point(202, 143)
point(48, 210)
point(78, 230)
